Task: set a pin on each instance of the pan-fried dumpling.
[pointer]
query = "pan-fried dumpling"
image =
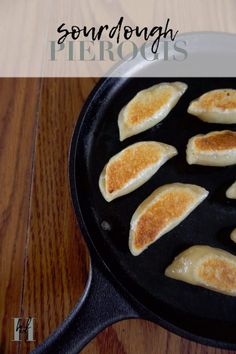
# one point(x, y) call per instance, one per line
point(205, 266)
point(217, 106)
point(149, 107)
point(233, 235)
point(132, 167)
point(163, 210)
point(231, 191)
point(213, 149)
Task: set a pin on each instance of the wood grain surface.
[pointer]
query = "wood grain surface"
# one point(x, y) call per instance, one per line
point(19, 115)
point(43, 258)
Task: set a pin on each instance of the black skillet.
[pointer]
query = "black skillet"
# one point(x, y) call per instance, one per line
point(120, 285)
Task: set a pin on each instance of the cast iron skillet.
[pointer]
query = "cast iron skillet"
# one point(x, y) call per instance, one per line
point(123, 286)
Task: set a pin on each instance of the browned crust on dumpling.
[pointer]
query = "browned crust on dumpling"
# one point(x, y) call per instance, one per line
point(147, 104)
point(221, 99)
point(171, 205)
point(218, 141)
point(218, 273)
point(129, 164)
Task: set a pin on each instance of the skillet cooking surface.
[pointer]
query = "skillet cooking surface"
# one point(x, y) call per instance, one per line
point(106, 225)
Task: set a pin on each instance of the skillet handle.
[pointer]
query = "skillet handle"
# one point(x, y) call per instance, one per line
point(100, 305)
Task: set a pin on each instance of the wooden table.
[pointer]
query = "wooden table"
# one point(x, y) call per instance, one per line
point(43, 258)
